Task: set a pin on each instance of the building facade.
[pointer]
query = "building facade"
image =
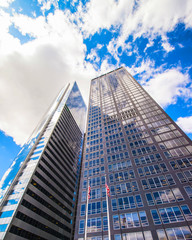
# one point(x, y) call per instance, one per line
point(39, 191)
point(147, 161)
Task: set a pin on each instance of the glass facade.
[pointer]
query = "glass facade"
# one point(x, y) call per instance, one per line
point(147, 160)
point(39, 192)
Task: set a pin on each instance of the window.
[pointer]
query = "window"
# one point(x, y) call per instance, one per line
point(188, 190)
point(164, 196)
point(121, 176)
point(181, 163)
point(185, 176)
point(177, 233)
point(94, 225)
point(127, 202)
point(170, 214)
point(6, 214)
point(93, 208)
point(157, 182)
point(134, 219)
point(116, 224)
point(146, 235)
point(3, 227)
point(144, 150)
point(153, 169)
point(124, 188)
point(11, 202)
point(120, 165)
point(119, 156)
point(105, 224)
point(148, 159)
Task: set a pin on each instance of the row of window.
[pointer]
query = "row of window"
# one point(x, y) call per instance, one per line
point(138, 136)
point(94, 155)
point(94, 208)
point(145, 235)
point(97, 181)
point(94, 148)
point(94, 194)
point(140, 143)
point(148, 159)
point(113, 131)
point(153, 169)
point(173, 143)
point(122, 188)
point(118, 156)
point(185, 176)
point(163, 129)
point(116, 149)
point(93, 132)
point(181, 163)
point(120, 165)
point(121, 176)
point(95, 142)
point(95, 162)
point(146, 109)
point(130, 220)
point(115, 142)
point(171, 214)
point(112, 126)
point(94, 171)
point(157, 182)
point(177, 233)
point(114, 136)
point(155, 118)
point(127, 202)
point(158, 123)
point(144, 150)
point(94, 122)
point(150, 114)
point(178, 152)
point(26, 234)
point(96, 238)
point(164, 196)
point(96, 136)
point(132, 123)
point(167, 135)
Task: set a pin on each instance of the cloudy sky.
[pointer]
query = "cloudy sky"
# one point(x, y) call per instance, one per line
point(44, 44)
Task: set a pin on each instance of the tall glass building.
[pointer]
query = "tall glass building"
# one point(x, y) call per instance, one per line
point(39, 191)
point(147, 161)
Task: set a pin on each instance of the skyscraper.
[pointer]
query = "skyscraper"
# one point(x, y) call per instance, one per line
point(147, 161)
point(39, 190)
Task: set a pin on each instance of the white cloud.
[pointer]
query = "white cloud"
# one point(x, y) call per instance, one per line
point(185, 123)
point(99, 14)
point(165, 87)
point(46, 4)
point(166, 45)
point(6, 3)
point(32, 74)
point(147, 18)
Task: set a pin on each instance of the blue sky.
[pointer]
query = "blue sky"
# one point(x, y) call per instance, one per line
point(46, 43)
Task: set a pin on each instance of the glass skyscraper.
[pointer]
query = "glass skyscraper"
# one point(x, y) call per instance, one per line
point(39, 191)
point(147, 161)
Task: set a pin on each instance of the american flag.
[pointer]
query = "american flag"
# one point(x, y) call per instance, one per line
point(89, 191)
point(107, 189)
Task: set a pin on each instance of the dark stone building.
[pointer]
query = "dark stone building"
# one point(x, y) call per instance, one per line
point(147, 161)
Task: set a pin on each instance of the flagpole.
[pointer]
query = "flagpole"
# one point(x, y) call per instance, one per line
point(108, 220)
point(86, 219)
